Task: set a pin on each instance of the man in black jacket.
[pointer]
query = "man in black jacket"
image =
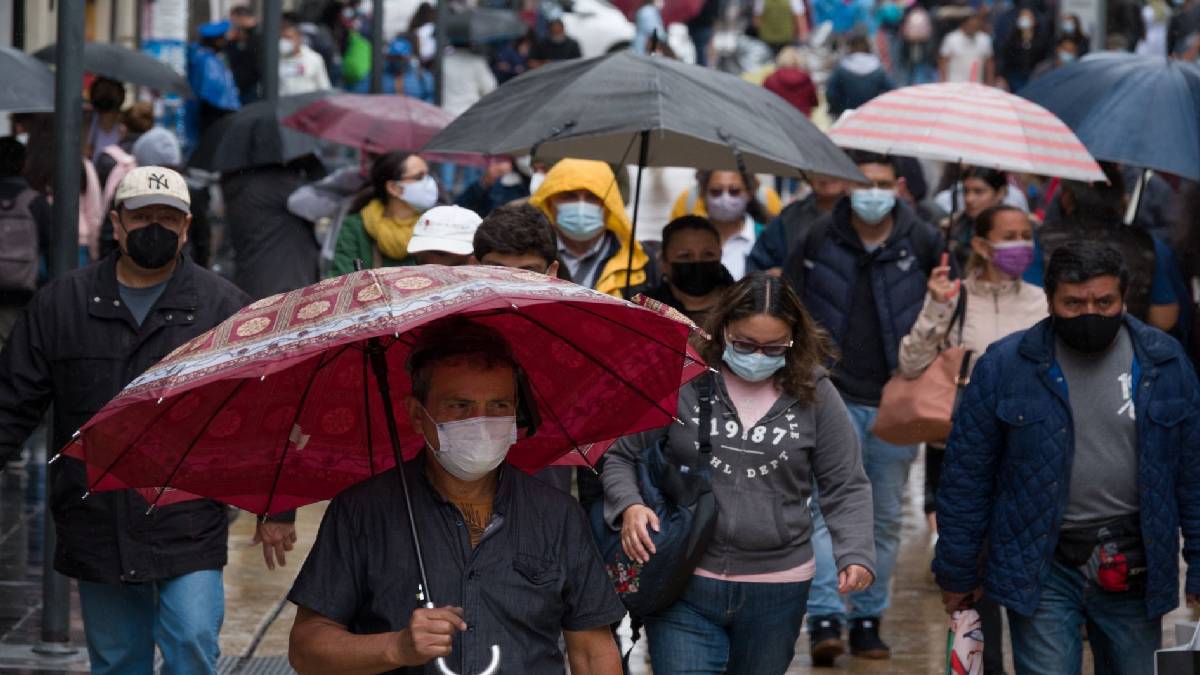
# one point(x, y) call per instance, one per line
point(144, 580)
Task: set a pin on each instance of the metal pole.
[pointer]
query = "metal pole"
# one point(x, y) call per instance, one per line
point(443, 15)
point(1100, 39)
point(138, 24)
point(271, 21)
point(637, 202)
point(377, 47)
point(64, 254)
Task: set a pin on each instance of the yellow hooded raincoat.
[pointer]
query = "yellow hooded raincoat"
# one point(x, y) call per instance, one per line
point(569, 175)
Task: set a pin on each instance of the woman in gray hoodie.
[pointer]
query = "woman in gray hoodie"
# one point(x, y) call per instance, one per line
point(777, 426)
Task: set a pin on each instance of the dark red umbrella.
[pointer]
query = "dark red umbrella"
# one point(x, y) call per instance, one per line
point(674, 11)
point(279, 406)
point(376, 123)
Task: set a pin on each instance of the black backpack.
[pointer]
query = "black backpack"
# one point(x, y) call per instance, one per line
point(18, 243)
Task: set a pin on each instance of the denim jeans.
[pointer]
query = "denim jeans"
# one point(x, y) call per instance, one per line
point(887, 468)
point(728, 627)
point(1123, 640)
point(183, 616)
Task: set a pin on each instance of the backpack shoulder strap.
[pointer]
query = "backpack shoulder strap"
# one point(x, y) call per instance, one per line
point(804, 249)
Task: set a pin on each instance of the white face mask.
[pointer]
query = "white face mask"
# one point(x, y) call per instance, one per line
point(472, 448)
point(535, 181)
point(421, 195)
point(286, 46)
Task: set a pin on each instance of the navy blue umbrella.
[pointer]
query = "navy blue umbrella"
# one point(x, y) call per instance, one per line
point(1143, 111)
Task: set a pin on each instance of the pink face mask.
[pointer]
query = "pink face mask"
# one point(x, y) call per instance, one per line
point(1012, 257)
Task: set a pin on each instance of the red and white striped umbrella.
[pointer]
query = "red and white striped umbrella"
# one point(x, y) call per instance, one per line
point(967, 123)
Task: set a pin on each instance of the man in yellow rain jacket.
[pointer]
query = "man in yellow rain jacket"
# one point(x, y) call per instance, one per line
point(581, 199)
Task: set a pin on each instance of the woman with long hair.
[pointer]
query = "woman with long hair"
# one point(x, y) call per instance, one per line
point(381, 219)
point(777, 425)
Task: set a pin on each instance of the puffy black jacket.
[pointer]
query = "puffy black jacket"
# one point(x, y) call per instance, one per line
point(823, 268)
point(76, 347)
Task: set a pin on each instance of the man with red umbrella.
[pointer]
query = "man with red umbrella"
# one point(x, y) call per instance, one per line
point(515, 553)
point(145, 579)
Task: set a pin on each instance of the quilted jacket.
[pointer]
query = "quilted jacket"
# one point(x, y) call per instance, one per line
point(1008, 466)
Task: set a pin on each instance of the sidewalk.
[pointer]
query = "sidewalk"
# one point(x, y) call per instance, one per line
point(258, 617)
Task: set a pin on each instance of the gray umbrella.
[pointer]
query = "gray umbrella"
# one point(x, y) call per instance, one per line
point(689, 116)
point(126, 65)
point(27, 85)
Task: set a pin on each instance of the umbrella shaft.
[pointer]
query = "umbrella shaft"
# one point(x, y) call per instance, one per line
point(380, 369)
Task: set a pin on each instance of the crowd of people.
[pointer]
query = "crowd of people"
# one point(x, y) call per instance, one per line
point(1059, 497)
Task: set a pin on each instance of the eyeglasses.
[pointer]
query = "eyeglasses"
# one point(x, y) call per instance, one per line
point(749, 347)
point(715, 192)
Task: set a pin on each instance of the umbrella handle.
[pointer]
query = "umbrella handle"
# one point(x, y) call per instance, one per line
point(492, 668)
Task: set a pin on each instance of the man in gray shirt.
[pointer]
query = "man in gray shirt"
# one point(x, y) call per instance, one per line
point(1072, 471)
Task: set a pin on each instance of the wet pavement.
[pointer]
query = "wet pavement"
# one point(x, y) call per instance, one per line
point(258, 617)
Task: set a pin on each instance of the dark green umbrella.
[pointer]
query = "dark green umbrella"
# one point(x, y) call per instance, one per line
point(255, 136)
point(603, 107)
point(27, 85)
point(126, 65)
point(484, 24)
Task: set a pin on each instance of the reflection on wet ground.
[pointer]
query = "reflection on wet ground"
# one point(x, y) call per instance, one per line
point(258, 618)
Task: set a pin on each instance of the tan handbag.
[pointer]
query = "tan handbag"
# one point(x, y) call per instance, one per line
point(921, 410)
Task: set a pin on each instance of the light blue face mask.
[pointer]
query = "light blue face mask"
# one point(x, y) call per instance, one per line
point(754, 367)
point(579, 221)
point(872, 204)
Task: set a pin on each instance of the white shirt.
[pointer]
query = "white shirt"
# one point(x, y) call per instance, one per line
point(468, 79)
point(737, 248)
point(965, 56)
point(302, 73)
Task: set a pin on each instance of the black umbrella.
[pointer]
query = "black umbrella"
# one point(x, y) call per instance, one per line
point(27, 85)
point(678, 114)
point(483, 25)
point(692, 116)
point(255, 136)
point(126, 65)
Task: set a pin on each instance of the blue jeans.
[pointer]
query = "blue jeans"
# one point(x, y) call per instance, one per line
point(1123, 640)
point(887, 467)
point(728, 627)
point(183, 616)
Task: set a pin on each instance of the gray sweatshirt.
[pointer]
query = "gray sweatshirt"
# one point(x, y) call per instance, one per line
point(762, 478)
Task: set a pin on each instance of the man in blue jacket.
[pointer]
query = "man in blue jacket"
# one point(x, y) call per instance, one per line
point(862, 271)
point(1073, 465)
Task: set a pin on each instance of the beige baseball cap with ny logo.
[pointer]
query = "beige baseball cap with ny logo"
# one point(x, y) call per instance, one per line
point(150, 185)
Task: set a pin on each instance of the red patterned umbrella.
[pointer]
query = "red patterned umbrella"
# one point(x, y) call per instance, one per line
point(279, 406)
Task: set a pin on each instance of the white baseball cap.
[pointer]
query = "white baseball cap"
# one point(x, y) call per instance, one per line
point(150, 185)
point(445, 228)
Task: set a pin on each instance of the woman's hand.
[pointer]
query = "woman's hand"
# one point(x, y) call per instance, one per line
point(854, 578)
point(940, 287)
point(635, 537)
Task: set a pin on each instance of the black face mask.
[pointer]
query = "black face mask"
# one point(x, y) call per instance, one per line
point(151, 247)
point(1088, 333)
point(106, 103)
point(696, 278)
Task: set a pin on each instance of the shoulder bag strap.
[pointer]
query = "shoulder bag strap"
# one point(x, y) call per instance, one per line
point(705, 387)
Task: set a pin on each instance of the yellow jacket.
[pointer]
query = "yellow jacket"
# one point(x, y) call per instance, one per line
point(570, 175)
point(691, 203)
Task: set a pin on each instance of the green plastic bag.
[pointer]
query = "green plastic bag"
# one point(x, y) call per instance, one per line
point(356, 62)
